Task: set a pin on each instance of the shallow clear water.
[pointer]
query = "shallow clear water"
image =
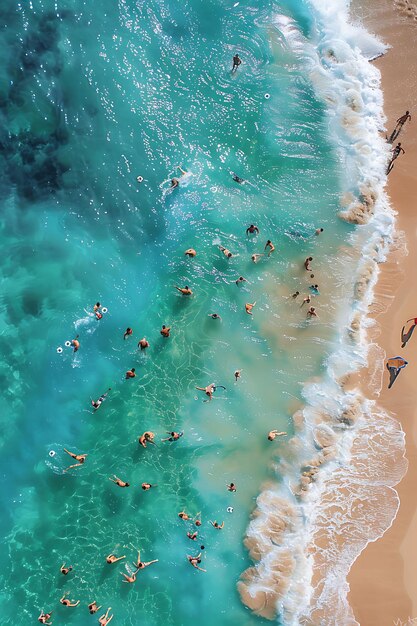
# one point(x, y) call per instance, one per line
point(91, 97)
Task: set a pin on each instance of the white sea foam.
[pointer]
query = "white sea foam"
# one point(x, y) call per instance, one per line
point(339, 471)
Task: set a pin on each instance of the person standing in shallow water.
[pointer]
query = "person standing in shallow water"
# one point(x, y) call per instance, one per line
point(236, 62)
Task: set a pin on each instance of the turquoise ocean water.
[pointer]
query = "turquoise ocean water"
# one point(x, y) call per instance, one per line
point(91, 96)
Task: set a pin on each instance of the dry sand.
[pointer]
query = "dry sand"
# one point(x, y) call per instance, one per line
point(383, 580)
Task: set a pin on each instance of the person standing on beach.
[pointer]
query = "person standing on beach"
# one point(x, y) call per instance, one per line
point(236, 62)
point(307, 263)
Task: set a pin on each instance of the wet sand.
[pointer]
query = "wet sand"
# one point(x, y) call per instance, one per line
point(383, 580)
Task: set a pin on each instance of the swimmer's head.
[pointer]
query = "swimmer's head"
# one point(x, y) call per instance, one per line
point(98, 304)
point(186, 286)
point(198, 560)
point(229, 254)
point(133, 370)
point(127, 484)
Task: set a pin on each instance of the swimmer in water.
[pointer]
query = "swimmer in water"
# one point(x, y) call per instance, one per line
point(99, 315)
point(190, 252)
point(306, 300)
point(75, 344)
point(66, 602)
point(141, 565)
point(318, 231)
point(147, 437)
point(256, 256)
point(186, 291)
point(231, 487)
point(96, 404)
point(226, 252)
point(128, 332)
point(130, 373)
point(43, 618)
point(241, 280)
point(78, 457)
point(237, 178)
point(173, 436)
point(307, 263)
point(96, 306)
point(165, 330)
point(197, 520)
point(105, 619)
point(237, 374)
point(311, 312)
point(271, 247)
point(143, 344)
point(176, 181)
point(209, 390)
point(112, 558)
point(147, 486)
point(65, 570)
point(216, 525)
point(214, 316)
point(118, 482)
point(184, 516)
point(195, 561)
point(275, 433)
point(252, 230)
point(193, 536)
point(236, 62)
point(93, 607)
point(249, 307)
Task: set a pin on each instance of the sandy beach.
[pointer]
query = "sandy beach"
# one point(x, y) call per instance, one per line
point(383, 580)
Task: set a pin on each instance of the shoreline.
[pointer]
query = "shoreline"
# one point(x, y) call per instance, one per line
point(383, 579)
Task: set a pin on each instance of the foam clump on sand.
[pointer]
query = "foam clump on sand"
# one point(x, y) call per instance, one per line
point(360, 210)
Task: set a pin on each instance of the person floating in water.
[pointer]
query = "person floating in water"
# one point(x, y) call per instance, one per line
point(214, 316)
point(231, 487)
point(93, 607)
point(236, 62)
point(256, 256)
point(112, 558)
point(75, 344)
point(240, 280)
point(105, 619)
point(96, 404)
point(237, 178)
point(173, 436)
point(65, 570)
point(237, 374)
point(193, 536)
point(143, 343)
point(216, 525)
point(66, 602)
point(226, 252)
point(209, 390)
point(141, 564)
point(248, 307)
point(43, 618)
point(165, 330)
point(147, 437)
point(318, 231)
point(252, 230)
point(78, 457)
point(184, 516)
point(147, 486)
point(118, 481)
point(190, 252)
point(130, 373)
point(395, 154)
point(195, 561)
point(186, 291)
point(275, 433)
point(271, 247)
point(311, 312)
point(128, 332)
point(129, 578)
point(176, 181)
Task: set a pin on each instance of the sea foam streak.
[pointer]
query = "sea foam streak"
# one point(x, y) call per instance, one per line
point(340, 468)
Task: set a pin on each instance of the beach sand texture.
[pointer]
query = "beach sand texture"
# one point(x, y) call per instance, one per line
point(383, 580)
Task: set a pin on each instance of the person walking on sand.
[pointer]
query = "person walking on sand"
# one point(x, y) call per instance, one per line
point(275, 433)
point(226, 252)
point(78, 457)
point(112, 558)
point(173, 436)
point(129, 578)
point(118, 481)
point(216, 525)
point(141, 564)
point(75, 344)
point(147, 437)
point(395, 154)
point(249, 307)
point(307, 263)
point(66, 602)
point(96, 404)
point(165, 330)
point(271, 247)
point(93, 607)
point(252, 230)
point(236, 62)
point(195, 561)
point(43, 618)
point(128, 332)
point(130, 373)
point(186, 291)
point(399, 125)
point(65, 570)
point(190, 252)
point(143, 343)
point(311, 312)
point(105, 619)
